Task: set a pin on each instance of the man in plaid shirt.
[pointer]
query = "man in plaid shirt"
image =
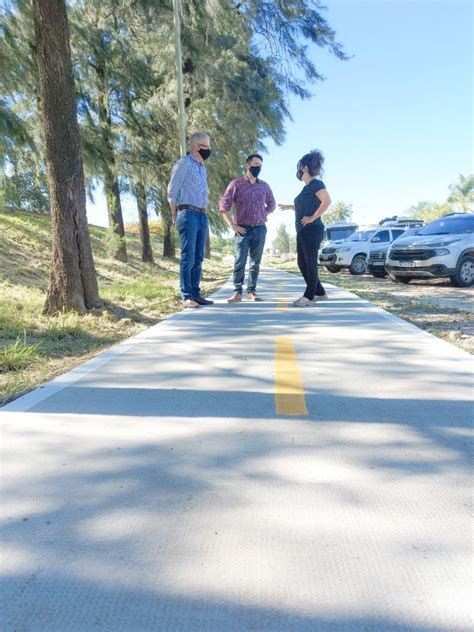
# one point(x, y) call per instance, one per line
point(187, 195)
point(253, 201)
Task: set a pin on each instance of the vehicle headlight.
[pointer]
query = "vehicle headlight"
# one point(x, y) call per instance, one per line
point(346, 249)
point(440, 251)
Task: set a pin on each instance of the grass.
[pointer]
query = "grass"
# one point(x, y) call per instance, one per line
point(18, 355)
point(34, 348)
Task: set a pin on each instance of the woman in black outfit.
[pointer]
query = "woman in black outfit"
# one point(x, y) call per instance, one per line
point(310, 204)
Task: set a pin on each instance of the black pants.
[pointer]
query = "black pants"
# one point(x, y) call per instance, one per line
point(308, 241)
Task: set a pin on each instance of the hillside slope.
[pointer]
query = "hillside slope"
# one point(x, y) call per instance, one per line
point(33, 347)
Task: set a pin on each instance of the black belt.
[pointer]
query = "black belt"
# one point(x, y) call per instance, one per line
point(190, 207)
point(250, 225)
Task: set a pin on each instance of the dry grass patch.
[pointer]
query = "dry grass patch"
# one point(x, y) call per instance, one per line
point(35, 348)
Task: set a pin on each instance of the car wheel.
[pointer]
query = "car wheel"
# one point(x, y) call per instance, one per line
point(333, 269)
point(379, 274)
point(358, 265)
point(400, 279)
point(464, 275)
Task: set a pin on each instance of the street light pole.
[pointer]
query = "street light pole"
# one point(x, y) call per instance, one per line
point(179, 76)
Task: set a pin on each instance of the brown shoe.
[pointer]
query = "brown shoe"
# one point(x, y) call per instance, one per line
point(189, 303)
point(251, 296)
point(235, 298)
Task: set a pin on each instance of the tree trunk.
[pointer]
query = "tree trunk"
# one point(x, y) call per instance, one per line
point(140, 194)
point(207, 250)
point(117, 245)
point(169, 249)
point(72, 281)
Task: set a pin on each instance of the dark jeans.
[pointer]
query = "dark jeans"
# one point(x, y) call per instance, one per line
point(192, 229)
point(308, 241)
point(252, 243)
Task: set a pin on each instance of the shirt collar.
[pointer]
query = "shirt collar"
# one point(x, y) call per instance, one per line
point(195, 159)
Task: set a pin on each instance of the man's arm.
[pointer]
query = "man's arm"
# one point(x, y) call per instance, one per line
point(174, 212)
point(270, 202)
point(232, 225)
point(225, 207)
point(177, 178)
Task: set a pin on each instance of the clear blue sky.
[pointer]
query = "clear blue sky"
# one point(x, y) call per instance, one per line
point(394, 122)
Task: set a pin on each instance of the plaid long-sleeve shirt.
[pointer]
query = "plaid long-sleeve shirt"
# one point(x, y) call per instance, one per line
point(253, 202)
point(188, 184)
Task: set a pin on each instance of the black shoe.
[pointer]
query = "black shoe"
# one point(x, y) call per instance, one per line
point(200, 300)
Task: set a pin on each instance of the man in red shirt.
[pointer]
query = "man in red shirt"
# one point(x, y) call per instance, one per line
point(253, 200)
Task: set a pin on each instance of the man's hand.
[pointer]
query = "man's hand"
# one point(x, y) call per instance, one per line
point(286, 207)
point(238, 229)
point(174, 212)
point(308, 219)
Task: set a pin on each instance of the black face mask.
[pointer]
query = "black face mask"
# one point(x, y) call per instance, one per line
point(205, 153)
point(255, 171)
point(299, 174)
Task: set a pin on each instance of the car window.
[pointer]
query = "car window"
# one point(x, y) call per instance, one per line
point(397, 233)
point(382, 236)
point(361, 235)
point(449, 225)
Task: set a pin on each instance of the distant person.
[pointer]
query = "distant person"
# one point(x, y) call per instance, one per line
point(253, 201)
point(187, 195)
point(309, 205)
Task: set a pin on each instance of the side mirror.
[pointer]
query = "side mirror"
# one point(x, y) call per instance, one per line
point(374, 239)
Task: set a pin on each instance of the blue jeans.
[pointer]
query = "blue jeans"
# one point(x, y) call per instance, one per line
point(192, 229)
point(252, 243)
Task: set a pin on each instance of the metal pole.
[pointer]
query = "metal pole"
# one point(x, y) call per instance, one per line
point(179, 76)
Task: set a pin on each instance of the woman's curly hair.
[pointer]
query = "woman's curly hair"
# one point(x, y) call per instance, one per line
point(314, 161)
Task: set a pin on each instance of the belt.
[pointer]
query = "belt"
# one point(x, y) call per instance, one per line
point(190, 207)
point(250, 225)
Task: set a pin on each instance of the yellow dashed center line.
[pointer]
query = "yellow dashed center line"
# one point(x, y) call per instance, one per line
point(282, 303)
point(289, 389)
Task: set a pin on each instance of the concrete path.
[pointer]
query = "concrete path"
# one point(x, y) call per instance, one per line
point(157, 488)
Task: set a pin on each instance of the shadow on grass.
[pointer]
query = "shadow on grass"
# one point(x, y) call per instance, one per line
point(119, 312)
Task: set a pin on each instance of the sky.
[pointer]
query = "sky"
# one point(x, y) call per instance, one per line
point(395, 122)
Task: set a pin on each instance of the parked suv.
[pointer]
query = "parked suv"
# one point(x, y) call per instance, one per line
point(352, 252)
point(443, 248)
point(378, 254)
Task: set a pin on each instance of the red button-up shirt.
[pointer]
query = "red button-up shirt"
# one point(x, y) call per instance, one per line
point(252, 202)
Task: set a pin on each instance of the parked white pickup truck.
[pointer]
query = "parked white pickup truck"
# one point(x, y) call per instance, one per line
point(352, 253)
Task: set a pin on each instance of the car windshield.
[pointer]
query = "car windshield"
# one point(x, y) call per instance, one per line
point(409, 233)
point(449, 225)
point(361, 235)
point(338, 233)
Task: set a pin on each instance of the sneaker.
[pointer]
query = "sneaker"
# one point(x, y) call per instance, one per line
point(189, 303)
point(302, 301)
point(323, 297)
point(251, 296)
point(200, 300)
point(235, 298)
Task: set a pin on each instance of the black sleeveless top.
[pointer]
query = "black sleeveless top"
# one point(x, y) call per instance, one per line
point(306, 203)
